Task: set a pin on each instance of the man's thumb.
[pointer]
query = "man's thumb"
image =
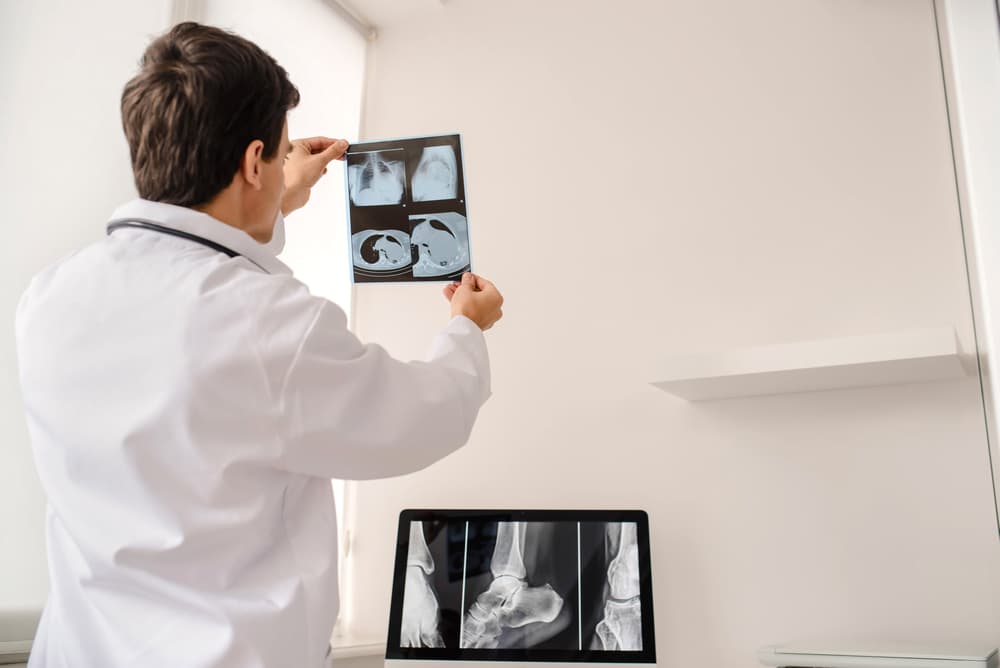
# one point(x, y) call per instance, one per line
point(468, 281)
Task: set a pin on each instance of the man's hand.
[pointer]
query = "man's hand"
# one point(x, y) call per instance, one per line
point(304, 165)
point(475, 298)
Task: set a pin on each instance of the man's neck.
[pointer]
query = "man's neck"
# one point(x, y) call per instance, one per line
point(225, 207)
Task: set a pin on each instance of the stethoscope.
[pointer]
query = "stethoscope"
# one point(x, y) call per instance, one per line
point(146, 225)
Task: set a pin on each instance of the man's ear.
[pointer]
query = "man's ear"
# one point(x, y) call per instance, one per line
point(250, 167)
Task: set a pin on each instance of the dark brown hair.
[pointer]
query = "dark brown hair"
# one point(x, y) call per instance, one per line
point(200, 97)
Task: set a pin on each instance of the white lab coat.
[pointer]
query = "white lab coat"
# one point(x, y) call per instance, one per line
point(187, 411)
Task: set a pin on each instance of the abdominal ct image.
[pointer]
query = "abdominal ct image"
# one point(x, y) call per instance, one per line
point(376, 178)
point(436, 176)
point(440, 244)
point(524, 592)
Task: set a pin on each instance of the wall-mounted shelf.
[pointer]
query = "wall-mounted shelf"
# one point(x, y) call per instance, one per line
point(909, 356)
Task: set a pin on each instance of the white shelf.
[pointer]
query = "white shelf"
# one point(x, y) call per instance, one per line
point(910, 356)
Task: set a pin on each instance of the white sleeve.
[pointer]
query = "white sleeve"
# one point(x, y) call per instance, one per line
point(352, 411)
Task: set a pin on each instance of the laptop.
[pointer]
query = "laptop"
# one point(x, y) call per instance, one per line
point(514, 586)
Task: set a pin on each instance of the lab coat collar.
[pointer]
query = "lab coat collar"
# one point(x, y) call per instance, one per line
point(205, 226)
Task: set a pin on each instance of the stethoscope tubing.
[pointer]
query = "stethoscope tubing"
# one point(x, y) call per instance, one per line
point(154, 227)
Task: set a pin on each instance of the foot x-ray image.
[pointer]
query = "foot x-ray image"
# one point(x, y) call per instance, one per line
point(413, 188)
point(520, 585)
point(440, 244)
point(376, 178)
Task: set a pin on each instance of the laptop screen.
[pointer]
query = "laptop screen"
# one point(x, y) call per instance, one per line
point(522, 585)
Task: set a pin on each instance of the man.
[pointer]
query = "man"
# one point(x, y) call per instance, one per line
point(188, 400)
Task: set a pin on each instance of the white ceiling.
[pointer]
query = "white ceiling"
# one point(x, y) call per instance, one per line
point(382, 13)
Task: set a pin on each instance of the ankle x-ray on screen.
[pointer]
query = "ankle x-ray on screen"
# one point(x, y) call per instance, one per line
point(519, 585)
point(407, 210)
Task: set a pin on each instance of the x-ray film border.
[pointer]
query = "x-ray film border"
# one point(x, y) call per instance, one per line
point(381, 150)
point(347, 203)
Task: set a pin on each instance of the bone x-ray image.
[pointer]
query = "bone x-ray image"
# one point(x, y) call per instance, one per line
point(376, 177)
point(407, 210)
point(615, 621)
point(518, 585)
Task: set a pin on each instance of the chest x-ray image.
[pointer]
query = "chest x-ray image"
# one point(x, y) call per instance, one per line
point(440, 244)
point(563, 587)
point(417, 186)
point(376, 178)
point(436, 176)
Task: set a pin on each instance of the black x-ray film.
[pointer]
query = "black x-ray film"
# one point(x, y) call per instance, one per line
point(497, 588)
point(407, 212)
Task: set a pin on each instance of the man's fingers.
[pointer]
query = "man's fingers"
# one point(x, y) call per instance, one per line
point(315, 143)
point(338, 147)
point(332, 152)
point(318, 144)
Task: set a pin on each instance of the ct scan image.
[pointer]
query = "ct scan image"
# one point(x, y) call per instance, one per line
point(440, 244)
point(407, 212)
point(384, 253)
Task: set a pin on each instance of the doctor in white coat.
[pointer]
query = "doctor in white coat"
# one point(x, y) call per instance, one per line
point(189, 400)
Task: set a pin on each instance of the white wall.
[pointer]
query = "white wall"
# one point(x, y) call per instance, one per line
point(651, 178)
point(970, 35)
point(65, 168)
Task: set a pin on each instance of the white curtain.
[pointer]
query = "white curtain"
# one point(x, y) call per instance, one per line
point(65, 167)
point(63, 64)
